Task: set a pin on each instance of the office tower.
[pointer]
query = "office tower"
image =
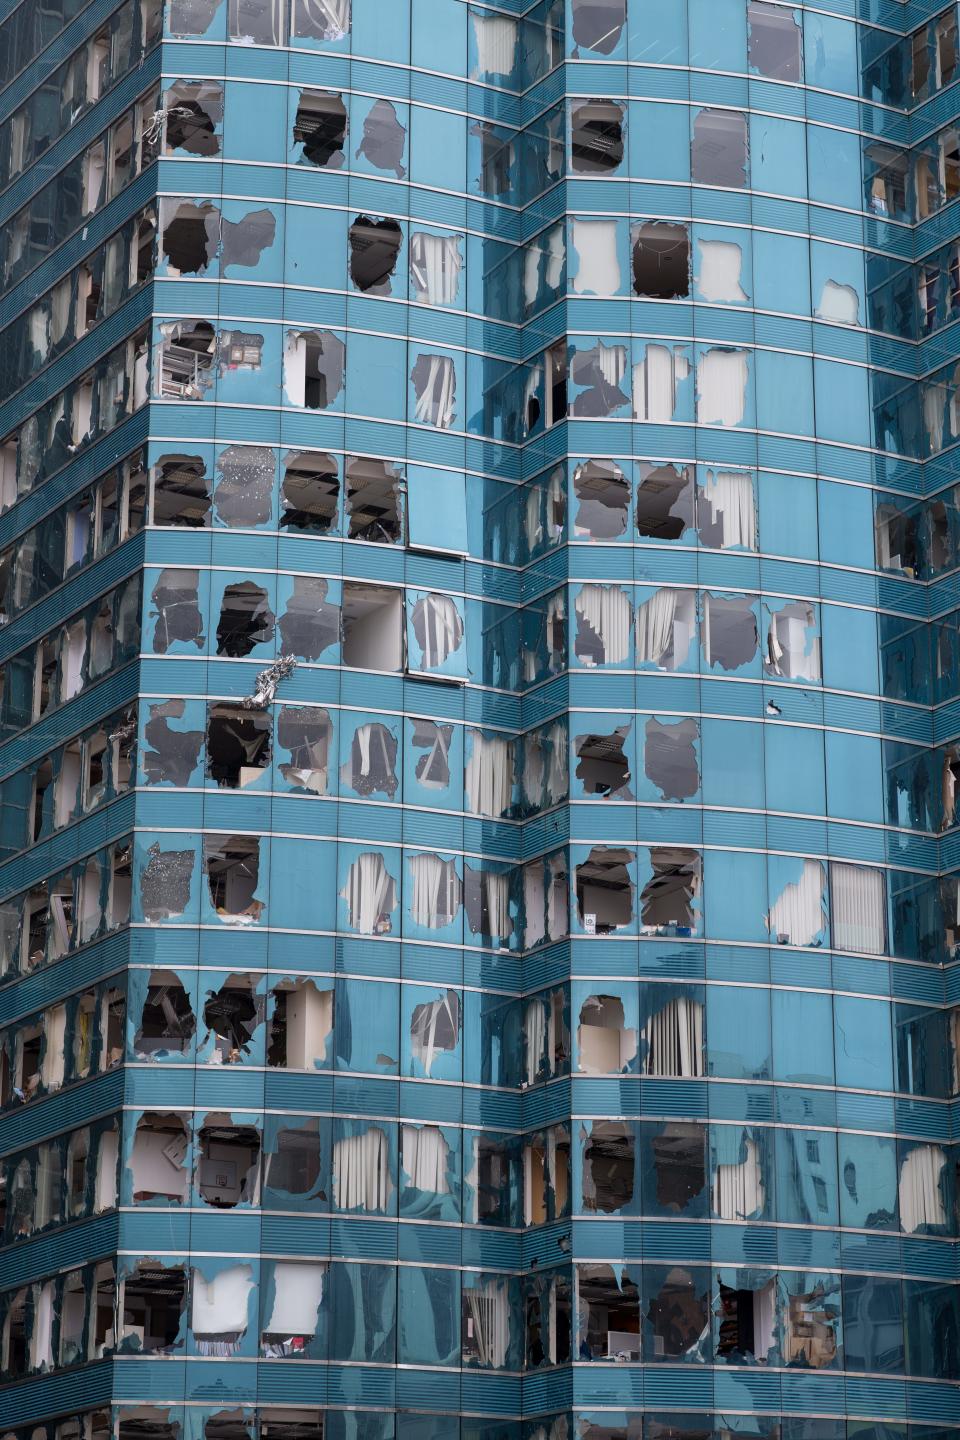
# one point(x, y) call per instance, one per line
point(479, 727)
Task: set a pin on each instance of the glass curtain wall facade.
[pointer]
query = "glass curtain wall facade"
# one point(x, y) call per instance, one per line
point(479, 720)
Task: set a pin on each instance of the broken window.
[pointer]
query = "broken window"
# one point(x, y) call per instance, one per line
point(320, 125)
point(664, 501)
point(726, 510)
point(228, 1167)
point(434, 1025)
point(193, 113)
point(309, 492)
point(667, 901)
point(666, 626)
point(153, 1304)
point(371, 768)
point(434, 382)
point(661, 260)
point(373, 500)
point(609, 1163)
point(189, 236)
point(673, 1037)
point(603, 496)
point(158, 1159)
point(747, 1318)
point(175, 753)
point(432, 769)
point(608, 1313)
point(670, 759)
point(164, 884)
point(246, 620)
point(298, 1291)
point(320, 20)
point(605, 890)
point(435, 265)
point(548, 1324)
point(602, 765)
point(489, 775)
point(486, 899)
point(603, 625)
point(232, 865)
point(374, 250)
point(181, 492)
point(600, 370)
point(797, 916)
point(596, 136)
point(219, 1307)
point(497, 154)
point(294, 1164)
point(728, 631)
point(605, 1046)
point(187, 351)
point(598, 25)
point(719, 148)
point(436, 897)
point(371, 895)
point(438, 629)
point(361, 1171)
point(301, 1025)
point(167, 1022)
point(595, 243)
point(793, 645)
point(383, 139)
point(775, 40)
point(313, 368)
point(738, 1189)
point(496, 39)
point(305, 731)
point(232, 1015)
point(372, 626)
point(656, 382)
point(238, 745)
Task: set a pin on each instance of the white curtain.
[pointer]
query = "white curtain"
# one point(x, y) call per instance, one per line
point(557, 774)
point(730, 498)
point(361, 1169)
point(365, 737)
point(721, 387)
point(556, 504)
point(792, 649)
point(370, 893)
point(655, 622)
point(558, 901)
point(532, 525)
point(496, 894)
point(330, 22)
point(556, 252)
point(535, 1034)
point(858, 908)
point(489, 1321)
point(438, 628)
point(595, 242)
point(738, 1187)
point(496, 44)
point(921, 1202)
point(674, 1037)
point(797, 917)
point(297, 1294)
point(434, 403)
point(606, 609)
point(435, 265)
point(655, 382)
point(423, 1155)
point(220, 1303)
point(534, 904)
point(612, 360)
point(436, 891)
point(764, 1319)
point(489, 775)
